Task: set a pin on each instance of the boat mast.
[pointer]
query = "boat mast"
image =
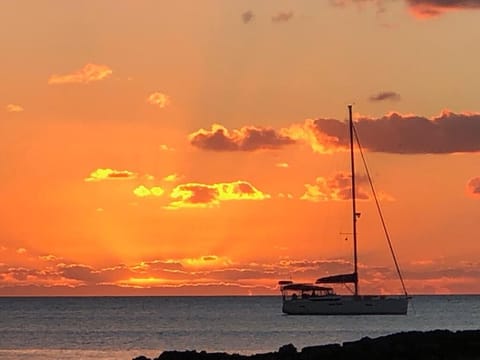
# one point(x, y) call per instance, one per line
point(354, 205)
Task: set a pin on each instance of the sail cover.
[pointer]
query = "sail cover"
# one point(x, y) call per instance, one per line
point(338, 279)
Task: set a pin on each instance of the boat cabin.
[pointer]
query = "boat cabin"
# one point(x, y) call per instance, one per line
point(292, 291)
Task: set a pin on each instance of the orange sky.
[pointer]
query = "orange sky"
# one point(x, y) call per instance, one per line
point(154, 147)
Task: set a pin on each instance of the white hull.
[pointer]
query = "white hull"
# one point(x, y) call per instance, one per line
point(346, 305)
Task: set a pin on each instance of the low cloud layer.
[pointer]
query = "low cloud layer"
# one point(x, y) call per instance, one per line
point(216, 274)
point(89, 73)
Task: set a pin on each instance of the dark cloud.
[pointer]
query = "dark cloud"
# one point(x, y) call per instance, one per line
point(431, 8)
point(245, 139)
point(216, 140)
point(22, 274)
point(473, 186)
point(419, 8)
point(247, 16)
point(263, 139)
point(79, 272)
point(282, 16)
point(410, 134)
point(385, 95)
point(393, 133)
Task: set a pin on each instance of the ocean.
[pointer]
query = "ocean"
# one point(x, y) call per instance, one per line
point(124, 327)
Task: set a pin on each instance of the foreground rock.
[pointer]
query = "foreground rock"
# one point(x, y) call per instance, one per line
point(437, 344)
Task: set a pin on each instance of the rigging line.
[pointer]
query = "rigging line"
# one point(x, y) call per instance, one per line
point(380, 212)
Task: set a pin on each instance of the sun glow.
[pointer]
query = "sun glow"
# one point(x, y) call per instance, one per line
point(146, 281)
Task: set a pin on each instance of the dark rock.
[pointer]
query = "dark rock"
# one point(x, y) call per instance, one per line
point(287, 352)
point(412, 345)
point(320, 352)
point(194, 355)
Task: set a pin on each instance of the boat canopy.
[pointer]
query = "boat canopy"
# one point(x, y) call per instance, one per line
point(305, 287)
point(338, 279)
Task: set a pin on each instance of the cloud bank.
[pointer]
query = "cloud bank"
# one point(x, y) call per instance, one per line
point(217, 274)
point(410, 134)
point(393, 133)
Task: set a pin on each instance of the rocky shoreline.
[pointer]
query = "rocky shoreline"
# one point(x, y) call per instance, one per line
point(436, 344)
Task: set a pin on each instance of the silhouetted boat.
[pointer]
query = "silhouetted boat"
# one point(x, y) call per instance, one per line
point(316, 299)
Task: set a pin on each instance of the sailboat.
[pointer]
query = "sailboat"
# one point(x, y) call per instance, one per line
point(318, 299)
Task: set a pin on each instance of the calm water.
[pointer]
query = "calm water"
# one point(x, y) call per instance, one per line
point(123, 327)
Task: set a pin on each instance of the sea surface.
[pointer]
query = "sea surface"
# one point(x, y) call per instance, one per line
point(124, 327)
